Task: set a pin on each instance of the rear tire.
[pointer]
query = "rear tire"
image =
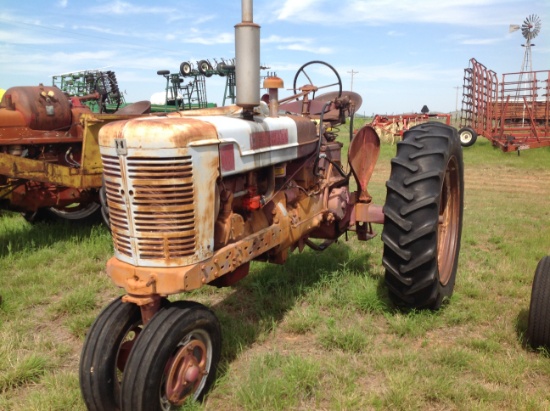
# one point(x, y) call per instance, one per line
point(77, 211)
point(82, 212)
point(467, 136)
point(423, 217)
point(538, 330)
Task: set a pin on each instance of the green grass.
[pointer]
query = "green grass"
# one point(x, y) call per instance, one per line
point(318, 333)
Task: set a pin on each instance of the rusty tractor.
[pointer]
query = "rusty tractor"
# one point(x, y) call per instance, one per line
point(195, 196)
point(50, 164)
point(514, 114)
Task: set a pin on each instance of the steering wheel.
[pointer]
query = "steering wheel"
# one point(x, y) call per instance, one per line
point(304, 78)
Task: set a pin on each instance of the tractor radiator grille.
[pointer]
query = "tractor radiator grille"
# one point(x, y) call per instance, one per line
point(152, 213)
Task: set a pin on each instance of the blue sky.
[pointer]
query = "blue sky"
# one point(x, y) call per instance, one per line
point(404, 53)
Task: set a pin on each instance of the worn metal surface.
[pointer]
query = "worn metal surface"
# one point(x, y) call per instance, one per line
point(170, 240)
point(49, 152)
point(160, 190)
point(165, 280)
point(514, 114)
point(391, 127)
point(195, 196)
point(40, 107)
point(362, 154)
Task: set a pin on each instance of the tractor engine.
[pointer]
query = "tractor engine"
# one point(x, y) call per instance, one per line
point(199, 196)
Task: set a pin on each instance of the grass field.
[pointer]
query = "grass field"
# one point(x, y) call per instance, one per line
point(318, 333)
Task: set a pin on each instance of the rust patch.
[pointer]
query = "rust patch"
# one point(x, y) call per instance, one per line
point(159, 132)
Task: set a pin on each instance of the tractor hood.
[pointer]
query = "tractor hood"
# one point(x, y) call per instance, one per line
point(243, 144)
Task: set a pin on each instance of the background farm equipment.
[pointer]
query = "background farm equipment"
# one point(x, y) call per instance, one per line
point(195, 196)
point(390, 128)
point(49, 154)
point(180, 95)
point(496, 111)
point(97, 89)
point(192, 96)
point(513, 114)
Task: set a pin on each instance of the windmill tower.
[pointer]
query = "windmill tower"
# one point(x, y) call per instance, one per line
point(529, 29)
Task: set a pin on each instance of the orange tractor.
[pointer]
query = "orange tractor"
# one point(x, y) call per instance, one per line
point(195, 196)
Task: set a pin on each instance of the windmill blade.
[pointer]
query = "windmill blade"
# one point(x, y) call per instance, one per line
point(538, 25)
point(531, 26)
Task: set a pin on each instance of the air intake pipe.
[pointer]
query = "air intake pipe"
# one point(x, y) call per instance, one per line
point(247, 59)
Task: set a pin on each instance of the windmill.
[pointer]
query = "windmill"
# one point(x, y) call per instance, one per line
point(529, 29)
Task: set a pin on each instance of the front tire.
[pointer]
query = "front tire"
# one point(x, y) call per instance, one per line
point(175, 359)
point(104, 354)
point(423, 217)
point(538, 330)
point(467, 136)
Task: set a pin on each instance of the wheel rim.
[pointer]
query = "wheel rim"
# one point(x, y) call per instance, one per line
point(465, 137)
point(449, 226)
point(187, 370)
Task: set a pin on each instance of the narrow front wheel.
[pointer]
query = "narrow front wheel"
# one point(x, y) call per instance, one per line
point(174, 360)
point(103, 359)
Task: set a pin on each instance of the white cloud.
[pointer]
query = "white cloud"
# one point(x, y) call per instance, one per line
point(123, 8)
point(278, 39)
point(402, 72)
point(222, 38)
point(102, 30)
point(481, 42)
point(296, 44)
point(379, 12)
point(306, 47)
point(292, 8)
point(26, 38)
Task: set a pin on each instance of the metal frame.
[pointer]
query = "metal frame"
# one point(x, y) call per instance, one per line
point(392, 127)
point(513, 114)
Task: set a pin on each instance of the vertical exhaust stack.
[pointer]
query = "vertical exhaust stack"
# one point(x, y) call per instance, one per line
point(247, 59)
